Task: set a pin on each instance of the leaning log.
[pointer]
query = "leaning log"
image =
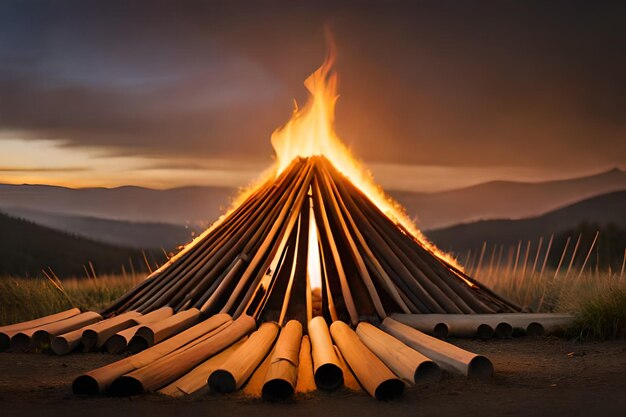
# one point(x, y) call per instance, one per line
point(98, 380)
point(447, 356)
point(280, 380)
point(404, 361)
point(150, 334)
point(171, 367)
point(236, 371)
point(373, 375)
point(326, 367)
point(38, 336)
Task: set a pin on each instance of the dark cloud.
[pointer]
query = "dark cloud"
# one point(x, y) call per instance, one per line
point(478, 83)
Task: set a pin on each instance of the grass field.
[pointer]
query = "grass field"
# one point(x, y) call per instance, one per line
point(598, 298)
point(28, 298)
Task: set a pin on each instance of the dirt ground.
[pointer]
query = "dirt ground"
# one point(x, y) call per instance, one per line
point(534, 377)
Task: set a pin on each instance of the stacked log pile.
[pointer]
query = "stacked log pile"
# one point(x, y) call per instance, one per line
point(236, 305)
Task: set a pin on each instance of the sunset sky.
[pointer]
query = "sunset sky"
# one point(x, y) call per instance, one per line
point(434, 95)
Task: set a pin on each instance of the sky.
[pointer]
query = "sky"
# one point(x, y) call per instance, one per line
point(433, 95)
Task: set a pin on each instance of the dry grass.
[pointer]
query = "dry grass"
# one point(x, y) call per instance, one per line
point(25, 298)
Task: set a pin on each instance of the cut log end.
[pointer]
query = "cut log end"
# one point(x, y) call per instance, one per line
point(480, 367)
point(222, 382)
point(137, 344)
point(20, 342)
point(39, 339)
point(277, 390)
point(427, 372)
point(85, 385)
point(90, 339)
point(126, 386)
point(504, 331)
point(484, 331)
point(60, 346)
point(441, 331)
point(116, 344)
point(5, 341)
point(389, 390)
point(328, 377)
point(534, 329)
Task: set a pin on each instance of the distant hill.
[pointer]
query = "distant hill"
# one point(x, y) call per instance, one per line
point(26, 248)
point(116, 232)
point(504, 199)
point(176, 206)
point(601, 210)
point(188, 205)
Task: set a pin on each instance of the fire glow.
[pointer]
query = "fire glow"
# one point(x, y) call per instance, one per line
point(311, 131)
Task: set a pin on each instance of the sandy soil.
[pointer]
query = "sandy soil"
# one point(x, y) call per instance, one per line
point(534, 377)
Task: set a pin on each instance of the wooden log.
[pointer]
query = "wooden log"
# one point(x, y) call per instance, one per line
point(407, 363)
point(195, 381)
point(38, 336)
point(96, 335)
point(150, 334)
point(326, 366)
point(98, 380)
point(373, 375)
point(254, 387)
point(118, 343)
point(281, 377)
point(349, 380)
point(171, 367)
point(447, 356)
point(236, 371)
point(305, 381)
point(14, 328)
point(462, 325)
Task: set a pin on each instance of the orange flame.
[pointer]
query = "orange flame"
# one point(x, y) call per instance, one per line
point(311, 131)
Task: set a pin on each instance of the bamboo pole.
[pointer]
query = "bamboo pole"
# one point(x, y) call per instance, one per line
point(280, 380)
point(447, 356)
point(582, 268)
point(98, 380)
point(349, 380)
point(237, 369)
point(253, 388)
point(371, 372)
point(326, 369)
point(407, 363)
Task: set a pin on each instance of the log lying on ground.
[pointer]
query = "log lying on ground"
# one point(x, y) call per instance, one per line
point(6, 332)
point(349, 380)
point(404, 361)
point(254, 386)
point(176, 364)
point(38, 336)
point(281, 377)
point(238, 368)
point(373, 375)
point(196, 380)
point(153, 333)
point(326, 367)
point(305, 381)
point(447, 356)
point(119, 341)
point(96, 335)
point(98, 380)
point(462, 325)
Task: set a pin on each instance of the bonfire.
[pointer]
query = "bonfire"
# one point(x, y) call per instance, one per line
point(314, 277)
